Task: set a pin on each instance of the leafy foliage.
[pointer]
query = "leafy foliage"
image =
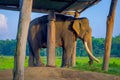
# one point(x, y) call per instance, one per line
point(7, 47)
point(115, 49)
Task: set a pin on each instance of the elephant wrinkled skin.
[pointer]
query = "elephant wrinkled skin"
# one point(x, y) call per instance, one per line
point(68, 29)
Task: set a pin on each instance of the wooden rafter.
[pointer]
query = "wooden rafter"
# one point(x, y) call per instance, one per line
point(59, 5)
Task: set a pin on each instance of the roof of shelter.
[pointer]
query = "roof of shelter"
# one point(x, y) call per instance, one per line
point(45, 5)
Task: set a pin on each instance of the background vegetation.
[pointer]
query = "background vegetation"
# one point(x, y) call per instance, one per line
point(7, 47)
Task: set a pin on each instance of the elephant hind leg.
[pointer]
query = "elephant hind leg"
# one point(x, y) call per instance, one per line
point(31, 60)
point(38, 61)
point(88, 39)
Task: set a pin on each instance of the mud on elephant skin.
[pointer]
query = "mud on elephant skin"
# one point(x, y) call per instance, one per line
point(68, 29)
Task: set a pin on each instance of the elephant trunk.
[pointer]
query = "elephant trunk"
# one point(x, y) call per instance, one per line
point(90, 53)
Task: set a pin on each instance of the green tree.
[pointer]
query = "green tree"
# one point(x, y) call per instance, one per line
point(80, 50)
point(115, 49)
point(98, 46)
point(7, 47)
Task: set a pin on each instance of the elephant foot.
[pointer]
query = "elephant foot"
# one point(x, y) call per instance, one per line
point(39, 65)
point(50, 66)
point(90, 62)
point(65, 66)
point(31, 65)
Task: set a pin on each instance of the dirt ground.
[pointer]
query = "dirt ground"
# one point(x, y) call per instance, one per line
point(47, 73)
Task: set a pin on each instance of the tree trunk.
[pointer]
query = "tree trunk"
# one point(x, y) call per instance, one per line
point(51, 40)
point(19, 57)
point(109, 31)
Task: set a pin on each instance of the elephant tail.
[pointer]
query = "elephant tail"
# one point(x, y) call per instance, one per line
point(30, 48)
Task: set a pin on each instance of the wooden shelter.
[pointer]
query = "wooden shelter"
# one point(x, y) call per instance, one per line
point(45, 6)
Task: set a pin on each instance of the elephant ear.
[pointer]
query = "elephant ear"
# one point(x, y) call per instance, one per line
point(76, 26)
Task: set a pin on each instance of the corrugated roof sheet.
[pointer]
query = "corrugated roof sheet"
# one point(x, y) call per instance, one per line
point(45, 5)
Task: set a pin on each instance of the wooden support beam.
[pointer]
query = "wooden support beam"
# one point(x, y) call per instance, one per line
point(109, 31)
point(19, 57)
point(73, 61)
point(77, 14)
point(73, 58)
point(51, 40)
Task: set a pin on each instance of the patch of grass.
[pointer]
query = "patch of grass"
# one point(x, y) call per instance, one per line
point(7, 62)
point(114, 65)
point(82, 64)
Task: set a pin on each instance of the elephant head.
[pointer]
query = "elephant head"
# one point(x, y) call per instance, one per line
point(84, 32)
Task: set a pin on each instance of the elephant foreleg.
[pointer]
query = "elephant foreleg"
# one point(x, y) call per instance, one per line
point(88, 40)
point(90, 48)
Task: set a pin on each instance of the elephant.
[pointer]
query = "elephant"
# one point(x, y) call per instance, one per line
point(68, 29)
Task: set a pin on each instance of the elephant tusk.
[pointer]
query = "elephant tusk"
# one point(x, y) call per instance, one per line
point(90, 53)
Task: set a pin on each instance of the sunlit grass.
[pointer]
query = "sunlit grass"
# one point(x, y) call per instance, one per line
point(7, 62)
point(114, 65)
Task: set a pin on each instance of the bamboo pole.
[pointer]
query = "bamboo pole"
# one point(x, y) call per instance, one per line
point(51, 40)
point(19, 57)
point(109, 31)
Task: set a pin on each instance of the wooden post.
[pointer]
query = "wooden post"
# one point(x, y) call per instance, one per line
point(77, 14)
point(73, 61)
point(51, 40)
point(19, 57)
point(109, 31)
